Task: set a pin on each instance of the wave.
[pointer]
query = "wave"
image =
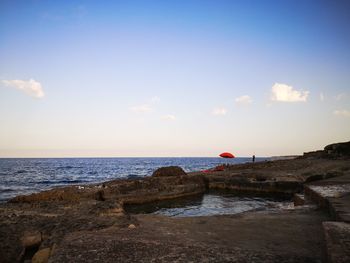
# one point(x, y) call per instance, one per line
point(67, 167)
point(6, 190)
point(134, 176)
point(21, 171)
point(48, 182)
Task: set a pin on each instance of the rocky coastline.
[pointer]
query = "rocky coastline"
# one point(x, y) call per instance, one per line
point(88, 223)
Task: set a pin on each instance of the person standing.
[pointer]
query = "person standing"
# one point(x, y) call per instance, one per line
point(253, 158)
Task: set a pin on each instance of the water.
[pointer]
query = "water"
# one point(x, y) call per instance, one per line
point(25, 176)
point(211, 204)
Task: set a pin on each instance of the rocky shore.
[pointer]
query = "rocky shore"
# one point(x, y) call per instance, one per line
point(88, 223)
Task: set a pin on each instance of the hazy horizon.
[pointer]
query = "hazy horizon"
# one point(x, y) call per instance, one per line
point(173, 78)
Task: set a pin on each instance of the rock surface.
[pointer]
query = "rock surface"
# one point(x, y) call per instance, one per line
point(42, 256)
point(169, 171)
point(240, 238)
point(338, 149)
point(338, 241)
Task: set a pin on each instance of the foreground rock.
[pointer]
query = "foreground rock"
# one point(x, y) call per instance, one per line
point(338, 241)
point(247, 237)
point(88, 223)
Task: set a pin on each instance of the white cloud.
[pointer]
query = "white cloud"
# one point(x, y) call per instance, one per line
point(155, 99)
point(321, 96)
point(340, 96)
point(342, 113)
point(285, 93)
point(145, 108)
point(169, 117)
point(30, 87)
point(244, 100)
point(219, 111)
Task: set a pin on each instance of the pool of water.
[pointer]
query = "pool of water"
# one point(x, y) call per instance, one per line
point(211, 204)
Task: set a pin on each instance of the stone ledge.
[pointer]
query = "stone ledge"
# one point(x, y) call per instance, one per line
point(337, 236)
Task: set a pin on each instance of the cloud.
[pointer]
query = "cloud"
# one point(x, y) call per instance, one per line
point(342, 113)
point(244, 100)
point(321, 96)
point(145, 108)
point(219, 111)
point(169, 117)
point(285, 93)
point(155, 99)
point(340, 96)
point(30, 87)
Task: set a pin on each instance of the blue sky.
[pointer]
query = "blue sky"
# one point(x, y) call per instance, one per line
point(173, 78)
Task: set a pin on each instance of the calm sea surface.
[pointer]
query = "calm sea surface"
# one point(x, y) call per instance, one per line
point(28, 175)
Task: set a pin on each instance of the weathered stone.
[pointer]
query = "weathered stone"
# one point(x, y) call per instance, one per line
point(116, 211)
point(333, 194)
point(298, 200)
point(338, 149)
point(53, 249)
point(31, 239)
point(292, 237)
point(169, 171)
point(338, 241)
point(41, 256)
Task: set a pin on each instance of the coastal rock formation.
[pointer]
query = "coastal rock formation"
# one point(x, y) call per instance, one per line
point(42, 256)
point(338, 246)
point(130, 191)
point(338, 149)
point(169, 171)
point(240, 238)
point(334, 150)
point(88, 223)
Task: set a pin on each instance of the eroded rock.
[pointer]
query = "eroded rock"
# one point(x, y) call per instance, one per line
point(338, 149)
point(31, 239)
point(169, 171)
point(42, 256)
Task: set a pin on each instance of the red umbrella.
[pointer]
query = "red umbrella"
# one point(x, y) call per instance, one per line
point(227, 155)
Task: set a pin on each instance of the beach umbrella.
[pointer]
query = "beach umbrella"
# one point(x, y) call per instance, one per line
point(227, 155)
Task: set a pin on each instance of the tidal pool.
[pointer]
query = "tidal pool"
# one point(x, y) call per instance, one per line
point(211, 204)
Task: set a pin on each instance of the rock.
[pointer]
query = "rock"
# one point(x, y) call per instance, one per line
point(42, 256)
point(53, 249)
point(169, 171)
point(338, 149)
point(298, 200)
point(337, 238)
point(114, 211)
point(131, 226)
point(31, 239)
point(315, 154)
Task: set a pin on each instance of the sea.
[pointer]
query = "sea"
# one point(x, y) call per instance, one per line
point(21, 176)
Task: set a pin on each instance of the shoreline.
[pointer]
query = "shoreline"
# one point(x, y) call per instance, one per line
point(26, 176)
point(91, 221)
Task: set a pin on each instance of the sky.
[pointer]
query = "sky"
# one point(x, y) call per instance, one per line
point(173, 78)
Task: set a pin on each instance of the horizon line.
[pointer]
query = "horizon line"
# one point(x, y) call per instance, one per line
point(126, 157)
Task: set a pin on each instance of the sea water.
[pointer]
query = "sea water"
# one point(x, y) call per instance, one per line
point(20, 176)
point(213, 203)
